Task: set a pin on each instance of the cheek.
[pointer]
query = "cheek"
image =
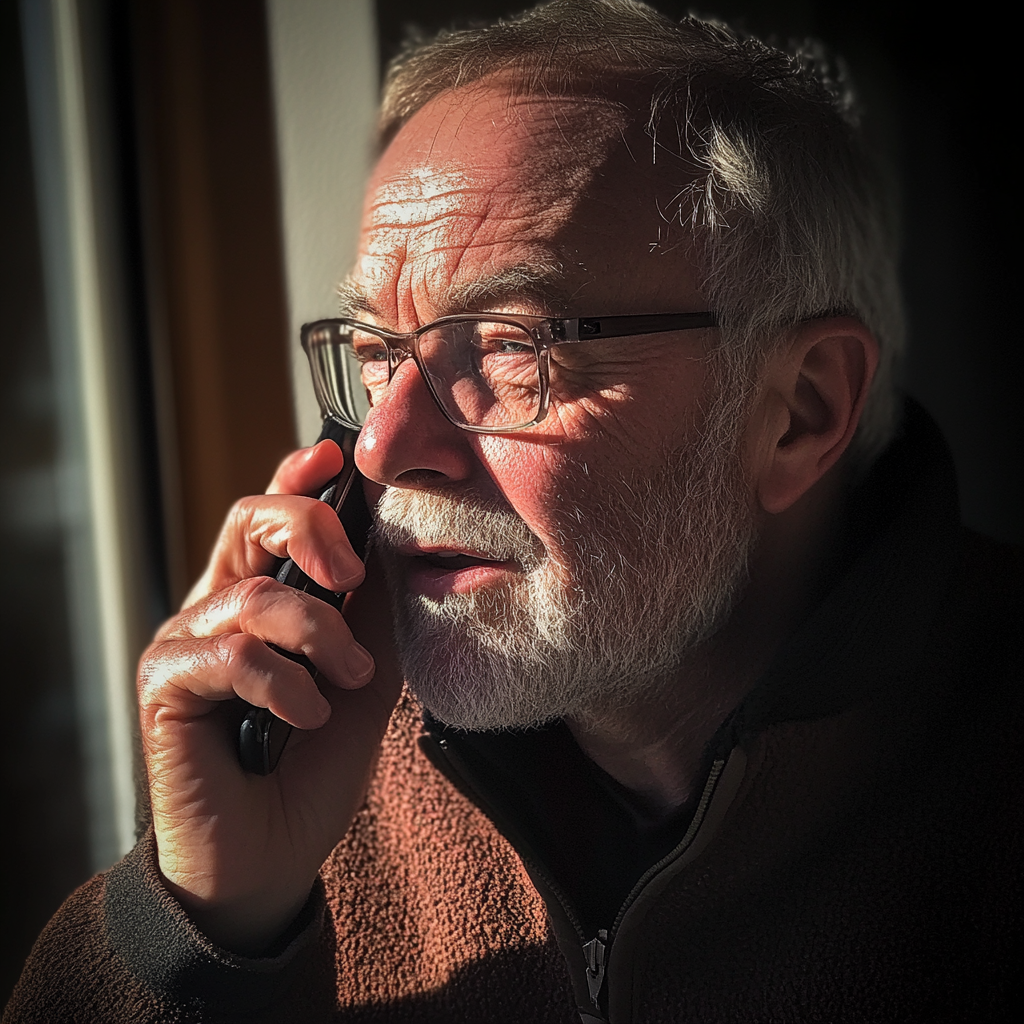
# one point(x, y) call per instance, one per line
point(560, 490)
point(643, 411)
point(536, 479)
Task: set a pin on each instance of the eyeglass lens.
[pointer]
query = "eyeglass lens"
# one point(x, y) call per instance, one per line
point(483, 373)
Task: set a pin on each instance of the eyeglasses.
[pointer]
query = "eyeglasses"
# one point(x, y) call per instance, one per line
point(487, 372)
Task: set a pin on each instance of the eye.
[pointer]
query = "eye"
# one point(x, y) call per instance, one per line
point(502, 339)
point(369, 349)
point(509, 346)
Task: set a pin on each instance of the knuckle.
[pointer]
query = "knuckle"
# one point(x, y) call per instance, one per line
point(255, 588)
point(152, 671)
point(237, 651)
point(241, 510)
point(323, 518)
point(261, 593)
point(165, 668)
point(167, 630)
point(237, 520)
point(254, 596)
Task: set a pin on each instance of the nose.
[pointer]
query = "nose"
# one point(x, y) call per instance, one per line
point(407, 441)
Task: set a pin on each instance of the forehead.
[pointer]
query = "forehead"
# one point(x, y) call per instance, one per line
point(478, 181)
point(496, 132)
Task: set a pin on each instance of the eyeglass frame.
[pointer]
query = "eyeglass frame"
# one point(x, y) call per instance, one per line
point(545, 332)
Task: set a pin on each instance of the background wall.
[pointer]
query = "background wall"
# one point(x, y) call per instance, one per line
point(206, 139)
point(324, 60)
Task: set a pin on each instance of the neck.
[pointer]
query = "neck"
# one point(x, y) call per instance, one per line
point(656, 747)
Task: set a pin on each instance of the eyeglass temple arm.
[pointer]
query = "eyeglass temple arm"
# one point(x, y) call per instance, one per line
point(586, 328)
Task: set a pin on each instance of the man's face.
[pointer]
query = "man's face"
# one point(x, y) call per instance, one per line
point(559, 570)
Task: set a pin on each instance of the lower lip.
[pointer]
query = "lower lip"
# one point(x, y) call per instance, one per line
point(437, 583)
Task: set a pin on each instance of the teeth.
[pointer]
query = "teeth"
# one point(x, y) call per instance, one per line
point(455, 559)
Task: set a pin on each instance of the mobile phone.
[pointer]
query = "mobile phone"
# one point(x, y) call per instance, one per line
point(262, 735)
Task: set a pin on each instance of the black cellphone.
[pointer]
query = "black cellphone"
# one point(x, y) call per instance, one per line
point(262, 735)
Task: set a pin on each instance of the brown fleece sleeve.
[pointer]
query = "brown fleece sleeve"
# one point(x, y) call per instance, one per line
point(121, 949)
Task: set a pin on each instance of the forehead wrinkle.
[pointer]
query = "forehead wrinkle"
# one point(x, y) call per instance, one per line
point(418, 194)
point(403, 201)
point(523, 280)
point(429, 279)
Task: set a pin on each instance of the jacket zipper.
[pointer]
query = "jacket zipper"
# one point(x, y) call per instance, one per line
point(598, 950)
point(594, 952)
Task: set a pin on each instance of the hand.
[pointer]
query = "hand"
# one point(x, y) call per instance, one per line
point(241, 851)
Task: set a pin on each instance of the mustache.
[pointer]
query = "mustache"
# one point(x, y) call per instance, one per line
point(403, 517)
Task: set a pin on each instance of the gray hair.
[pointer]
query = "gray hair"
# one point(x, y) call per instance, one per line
point(781, 203)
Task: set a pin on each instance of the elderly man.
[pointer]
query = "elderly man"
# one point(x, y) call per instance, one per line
point(710, 701)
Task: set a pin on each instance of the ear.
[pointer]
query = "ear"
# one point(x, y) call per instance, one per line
point(815, 389)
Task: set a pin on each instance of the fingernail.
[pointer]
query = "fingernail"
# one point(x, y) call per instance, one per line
point(345, 574)
point(360, 662)
point(324, 710)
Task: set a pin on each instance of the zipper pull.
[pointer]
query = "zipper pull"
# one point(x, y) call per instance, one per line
point(593, 951)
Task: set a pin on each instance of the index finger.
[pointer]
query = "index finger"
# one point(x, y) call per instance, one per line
point(307, 470)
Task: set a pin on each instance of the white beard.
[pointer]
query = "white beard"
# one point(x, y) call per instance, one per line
point(647, 570)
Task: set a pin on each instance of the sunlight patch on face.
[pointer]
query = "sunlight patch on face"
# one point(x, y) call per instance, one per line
point(421, 195)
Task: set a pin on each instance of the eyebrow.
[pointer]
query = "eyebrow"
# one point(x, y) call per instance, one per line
point(537, 283)
point(352, 300)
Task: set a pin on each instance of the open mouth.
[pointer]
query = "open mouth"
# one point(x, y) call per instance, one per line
point(450, 561)
point(437, 573)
